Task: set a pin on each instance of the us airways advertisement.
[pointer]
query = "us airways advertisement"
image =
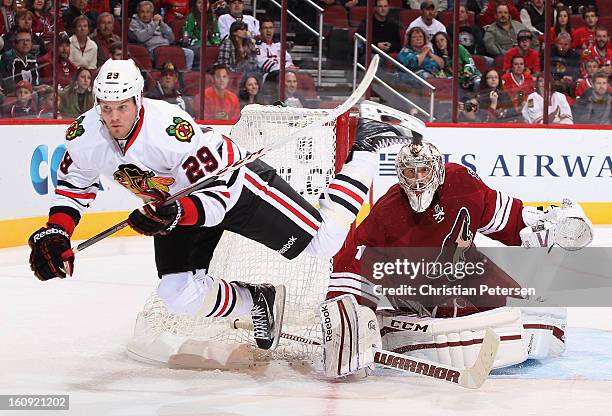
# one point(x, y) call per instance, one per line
point(536, 165)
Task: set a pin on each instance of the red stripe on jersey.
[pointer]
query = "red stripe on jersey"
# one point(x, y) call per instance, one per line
point(347, 192)
point(190, 212)
point(134, 135)
point(224, 307)
point(230, 150)
point(225, 194)
point(282, 202)
point(74, 195)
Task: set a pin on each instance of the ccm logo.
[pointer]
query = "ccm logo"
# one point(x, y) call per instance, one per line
point(408, 326)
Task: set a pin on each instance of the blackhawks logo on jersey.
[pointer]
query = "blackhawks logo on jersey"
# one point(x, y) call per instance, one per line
point(145, 185)
point(181, 129)
point(76, 129)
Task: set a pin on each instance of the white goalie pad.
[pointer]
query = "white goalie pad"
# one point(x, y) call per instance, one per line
point(455, 341)
point(544, 331)
point(350, 331)
point(566, 226)
point(380, 112)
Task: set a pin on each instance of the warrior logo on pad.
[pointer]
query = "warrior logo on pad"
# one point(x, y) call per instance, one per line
point(181, 129)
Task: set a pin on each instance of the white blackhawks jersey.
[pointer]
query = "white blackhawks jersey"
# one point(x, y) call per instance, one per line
point(268, 56)
point(165, 153)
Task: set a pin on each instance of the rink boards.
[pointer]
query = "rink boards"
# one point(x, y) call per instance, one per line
point(535, 164)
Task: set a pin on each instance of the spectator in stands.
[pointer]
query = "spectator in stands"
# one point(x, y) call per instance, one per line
point(83, 50)
point(427, 21)
point(559, 111)
point(78, 8)
point(64, 68)
point(564, 64)
point(7, 16)
point(523, 48)
point(24, 106)
point(469, 111)
point(150, 30)
point(470, 35)
point(116, 51)
point(19, 63)
point(238, 51)
point(439, 5)
point(563, 24)
point(77, 97)
point(584, 37)
point(600, 51)
point(595, 105)
point(532, 16)
point(221, 104)
point(249, 90)
point(517, 83)
point(104, 36)
point(293, 98)
point(168, 88)
point(417, 55)
point(493, 99)
point(100, 6)
point(23, 20)
point(488, 16)
point(591, 67)
point(501, 35)
point(385, 31)
point(192, 27)
point(236, 8)
point(578, 6)
point(175, 9)
point(268, 52)
point(469, 75)
point(42, 20)
point(46, 99)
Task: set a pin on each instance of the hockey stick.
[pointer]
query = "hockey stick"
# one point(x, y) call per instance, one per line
point(470, 377)
point(331, 116)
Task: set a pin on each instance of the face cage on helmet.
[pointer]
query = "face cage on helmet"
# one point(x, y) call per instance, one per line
point(420, 193)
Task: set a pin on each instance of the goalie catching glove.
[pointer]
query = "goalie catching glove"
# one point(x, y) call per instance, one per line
point(156, 220)
point(566, 226)
point(51, 255)
point(350, 332)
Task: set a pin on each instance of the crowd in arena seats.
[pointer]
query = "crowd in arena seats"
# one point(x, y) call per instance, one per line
point(164, 38)
point(500, 53)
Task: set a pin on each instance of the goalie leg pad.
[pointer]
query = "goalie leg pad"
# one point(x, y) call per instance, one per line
point(350, 332)
point(544, 331)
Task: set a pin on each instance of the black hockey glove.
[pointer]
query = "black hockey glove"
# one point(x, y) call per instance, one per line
point(149, 220)
point(51, 256)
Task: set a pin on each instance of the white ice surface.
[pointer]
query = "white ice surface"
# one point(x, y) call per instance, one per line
point(69, 336)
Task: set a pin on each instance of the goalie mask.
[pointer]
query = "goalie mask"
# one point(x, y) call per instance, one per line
point(420, 171)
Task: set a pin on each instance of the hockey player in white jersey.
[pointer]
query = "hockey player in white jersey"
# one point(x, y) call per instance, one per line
point(155, 149)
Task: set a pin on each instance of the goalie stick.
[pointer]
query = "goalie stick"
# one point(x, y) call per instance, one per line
point(331, 116)
point(470, 377)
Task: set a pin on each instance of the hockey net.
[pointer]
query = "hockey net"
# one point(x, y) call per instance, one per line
point(308, 165)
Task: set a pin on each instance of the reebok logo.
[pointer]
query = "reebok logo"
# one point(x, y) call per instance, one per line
point(48, 232)
point(327, 326)
point(287, 245)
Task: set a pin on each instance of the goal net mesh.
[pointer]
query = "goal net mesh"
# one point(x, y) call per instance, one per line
point(308, 165)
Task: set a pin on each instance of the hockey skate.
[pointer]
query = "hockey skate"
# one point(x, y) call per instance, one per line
point(373, 136)
point(267, 313)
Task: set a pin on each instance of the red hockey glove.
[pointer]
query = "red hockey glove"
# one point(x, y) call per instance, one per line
point(150, 220)
point(51, 255)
